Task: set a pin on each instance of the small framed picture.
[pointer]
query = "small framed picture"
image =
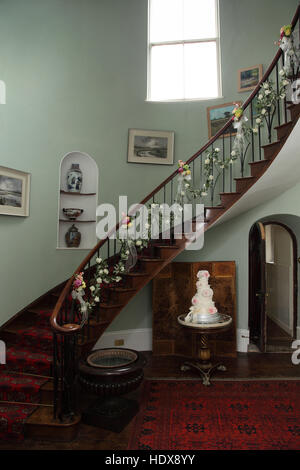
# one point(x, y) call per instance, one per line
point(249, 77)
point(14, 192)
point(217, 116)
point(156, 147)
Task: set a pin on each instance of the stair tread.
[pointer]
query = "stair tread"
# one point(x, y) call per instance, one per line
point(135, 274)
point(123, 289)
point(284, 125)
point(152, 259)
point(259, 161)
point(245, 178)
point(108, 305)
point(44, 416)
point(231, 194)
point(272, 143)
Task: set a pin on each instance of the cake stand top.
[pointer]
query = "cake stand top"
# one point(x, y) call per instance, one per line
point(223, 322)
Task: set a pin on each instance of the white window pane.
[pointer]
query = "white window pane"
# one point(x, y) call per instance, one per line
point(199, 19)
point(167, 72)
point(166, 20)
point(200, 70)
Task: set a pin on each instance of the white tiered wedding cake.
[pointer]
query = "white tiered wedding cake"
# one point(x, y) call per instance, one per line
point(203, 308)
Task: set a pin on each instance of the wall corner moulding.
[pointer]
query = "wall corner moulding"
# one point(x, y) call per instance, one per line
point(77, 202)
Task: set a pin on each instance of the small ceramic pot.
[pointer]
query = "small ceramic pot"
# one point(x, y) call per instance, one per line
point(72, 213)
point(73, 237)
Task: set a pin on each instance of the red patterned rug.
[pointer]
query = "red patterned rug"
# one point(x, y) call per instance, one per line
point(249, 415)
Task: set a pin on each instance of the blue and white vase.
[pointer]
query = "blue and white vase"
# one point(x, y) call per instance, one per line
point(74, 179)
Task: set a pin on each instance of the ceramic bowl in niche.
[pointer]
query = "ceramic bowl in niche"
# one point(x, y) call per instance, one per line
point(72, 213)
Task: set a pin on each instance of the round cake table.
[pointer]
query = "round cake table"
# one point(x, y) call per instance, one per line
point(203, 365)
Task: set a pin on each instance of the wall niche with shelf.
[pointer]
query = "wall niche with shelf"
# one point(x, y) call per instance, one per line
point(78, 191)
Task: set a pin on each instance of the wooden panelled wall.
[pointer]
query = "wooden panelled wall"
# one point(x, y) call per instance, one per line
point(173, 289)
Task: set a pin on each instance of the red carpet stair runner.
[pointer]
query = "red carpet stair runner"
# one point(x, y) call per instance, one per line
point(28, 364)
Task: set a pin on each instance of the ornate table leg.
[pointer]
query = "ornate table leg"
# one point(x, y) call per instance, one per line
point(204, 366)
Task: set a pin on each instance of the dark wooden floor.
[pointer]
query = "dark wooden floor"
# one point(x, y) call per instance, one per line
point(244, 366)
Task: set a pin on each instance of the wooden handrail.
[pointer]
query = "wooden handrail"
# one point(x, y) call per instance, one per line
point(75, 328)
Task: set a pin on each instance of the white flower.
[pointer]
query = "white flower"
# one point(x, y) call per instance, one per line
point(106, 281)
point(203, 193)
point(101, 271)
point(255, 130)
point(97, 299)
point(268, 92)
point(105, 271)
point(138, 243)
point(266, 85)
point(281, 72)
point(233, 153)
point(92, 288)
point(207, 161)
point(285, 82)
point(98, 260)
point(118, 279)
point(258, 120)
point(182, 193)
point(282, 96)
point(230, 161)
point(260, 96)
point(187, 185)
point(211, 177)
point(99, 280)
point(263, 111)
point(221, 166)
point(122, 268)
point(217, 150)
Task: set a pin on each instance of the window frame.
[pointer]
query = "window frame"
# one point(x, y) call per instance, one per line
point(216, 40)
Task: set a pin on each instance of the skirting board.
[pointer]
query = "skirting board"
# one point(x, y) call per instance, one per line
point(141, 339)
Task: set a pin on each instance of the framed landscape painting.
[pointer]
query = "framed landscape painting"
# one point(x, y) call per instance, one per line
point(249, 77)
point(151, 147)
point(217, 116)
point(14, 192)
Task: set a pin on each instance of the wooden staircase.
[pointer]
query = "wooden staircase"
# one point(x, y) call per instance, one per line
point(44, 422)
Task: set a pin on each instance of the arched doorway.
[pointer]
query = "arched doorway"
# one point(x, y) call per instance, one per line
point(272, 286)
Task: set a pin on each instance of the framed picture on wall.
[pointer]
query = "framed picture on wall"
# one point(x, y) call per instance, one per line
point(218, 115)
point(156, 147)
point(14, 192)
point(249, 77)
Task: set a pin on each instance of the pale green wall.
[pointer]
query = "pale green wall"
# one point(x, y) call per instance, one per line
point(76, 80)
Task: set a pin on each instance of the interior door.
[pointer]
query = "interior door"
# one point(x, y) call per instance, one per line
point(257, 286)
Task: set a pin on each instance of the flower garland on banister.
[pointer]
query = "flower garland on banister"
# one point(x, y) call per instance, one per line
point(291, 53)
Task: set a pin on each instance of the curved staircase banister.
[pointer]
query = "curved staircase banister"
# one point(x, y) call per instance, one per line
point(74, 328)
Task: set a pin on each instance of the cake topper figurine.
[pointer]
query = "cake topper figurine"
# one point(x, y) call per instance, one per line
point(203, 308)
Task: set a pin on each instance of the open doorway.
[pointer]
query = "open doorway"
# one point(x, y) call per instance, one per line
point(272, 287)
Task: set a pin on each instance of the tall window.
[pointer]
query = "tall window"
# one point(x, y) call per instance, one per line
point(184, 50)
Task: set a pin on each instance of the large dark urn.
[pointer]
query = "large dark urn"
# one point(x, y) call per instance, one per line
point(110, 373)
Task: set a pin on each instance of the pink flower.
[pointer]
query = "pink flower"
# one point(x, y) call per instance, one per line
point(180, 170)
point(212, 310)
point(194, 300)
